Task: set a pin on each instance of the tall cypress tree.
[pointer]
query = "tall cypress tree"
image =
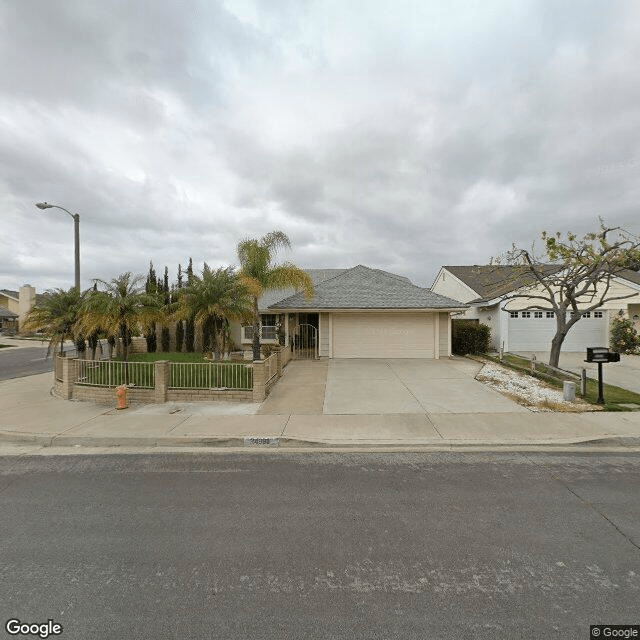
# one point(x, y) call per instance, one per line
point(179, 324)
point(151, 286)
point(190, 332)
point(165, 336)
point(92, 339)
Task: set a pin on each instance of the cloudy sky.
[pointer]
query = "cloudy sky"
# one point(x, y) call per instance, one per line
point(401, 135)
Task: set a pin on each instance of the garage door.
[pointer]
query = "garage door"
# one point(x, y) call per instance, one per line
point(383, 335)
point(533, 331)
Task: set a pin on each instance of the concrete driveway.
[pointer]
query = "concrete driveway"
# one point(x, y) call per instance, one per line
point(371, 386)
point(625, 374)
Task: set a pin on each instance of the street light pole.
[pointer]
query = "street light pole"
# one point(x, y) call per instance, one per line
point(76, 230)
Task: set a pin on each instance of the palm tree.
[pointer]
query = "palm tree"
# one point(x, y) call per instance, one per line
point(260, 274)
point(120, 309)
point(57, 315)
point(212, 300)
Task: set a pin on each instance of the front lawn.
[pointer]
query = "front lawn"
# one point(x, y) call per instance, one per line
point(196, 356)
point(140, 372)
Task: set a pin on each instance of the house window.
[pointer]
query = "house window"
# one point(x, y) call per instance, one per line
point(513, 314)
point(587, 314)
point(597, 314)
point(551, 314)
point(526, 314)
point(537, 314)
point(268, 330)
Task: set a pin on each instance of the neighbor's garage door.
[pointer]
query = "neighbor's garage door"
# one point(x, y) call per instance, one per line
point(530, 332)
point(383, 335)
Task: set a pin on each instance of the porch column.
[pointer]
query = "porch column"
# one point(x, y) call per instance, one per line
point(331, 335)
point(436, 333)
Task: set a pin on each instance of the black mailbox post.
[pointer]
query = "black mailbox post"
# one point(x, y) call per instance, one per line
point(600, 355)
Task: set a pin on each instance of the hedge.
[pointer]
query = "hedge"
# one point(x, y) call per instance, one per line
point(470, 337)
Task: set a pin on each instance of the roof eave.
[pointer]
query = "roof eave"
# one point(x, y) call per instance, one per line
point(362, 309)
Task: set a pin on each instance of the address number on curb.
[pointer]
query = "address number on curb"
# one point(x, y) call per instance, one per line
point(261, 441)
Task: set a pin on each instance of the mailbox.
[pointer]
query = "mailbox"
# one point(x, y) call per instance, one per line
point(602, 354)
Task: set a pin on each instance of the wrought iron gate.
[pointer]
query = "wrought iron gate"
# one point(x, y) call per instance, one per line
point(305, 342)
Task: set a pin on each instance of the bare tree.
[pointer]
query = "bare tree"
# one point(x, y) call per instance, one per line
point(573, 275)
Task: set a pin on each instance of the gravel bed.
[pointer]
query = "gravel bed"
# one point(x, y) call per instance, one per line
point(528, 391)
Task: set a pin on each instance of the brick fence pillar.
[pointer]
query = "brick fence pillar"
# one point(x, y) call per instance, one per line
point(68, 377)
point(163, 378)
point(259, 374)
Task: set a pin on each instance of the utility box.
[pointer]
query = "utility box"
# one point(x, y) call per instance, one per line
point(601, 354)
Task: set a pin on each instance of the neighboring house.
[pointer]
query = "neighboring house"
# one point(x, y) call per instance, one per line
point(18, 303)
point(358, 313)
point(484, 288)
point(8, 320)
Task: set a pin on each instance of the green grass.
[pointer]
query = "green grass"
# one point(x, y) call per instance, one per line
point(6, 346)
point(138, 372)
point(614, 396)
point(172, 357)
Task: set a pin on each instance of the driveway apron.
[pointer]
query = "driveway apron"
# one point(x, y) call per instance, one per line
point(410, 386)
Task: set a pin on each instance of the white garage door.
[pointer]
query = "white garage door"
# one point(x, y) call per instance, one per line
point(383, 335)
point(529, 332)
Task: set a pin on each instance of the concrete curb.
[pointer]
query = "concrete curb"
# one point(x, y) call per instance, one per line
point(208, 442)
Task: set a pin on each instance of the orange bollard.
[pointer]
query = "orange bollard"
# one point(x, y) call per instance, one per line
point(121, 394)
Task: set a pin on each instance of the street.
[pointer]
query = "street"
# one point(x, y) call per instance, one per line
point(17, 362)
point(321, 545)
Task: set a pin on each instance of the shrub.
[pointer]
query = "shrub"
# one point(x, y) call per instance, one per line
point(470, 337)
point(624, 337)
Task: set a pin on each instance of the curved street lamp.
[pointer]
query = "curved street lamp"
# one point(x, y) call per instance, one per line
point(76, 226)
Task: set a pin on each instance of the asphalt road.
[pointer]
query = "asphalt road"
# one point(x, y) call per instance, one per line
point(18, 362)
point(362, 546)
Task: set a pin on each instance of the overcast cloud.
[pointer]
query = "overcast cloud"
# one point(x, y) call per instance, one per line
point(402, 136)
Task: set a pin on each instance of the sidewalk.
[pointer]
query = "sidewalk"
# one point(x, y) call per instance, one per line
point(29, 414)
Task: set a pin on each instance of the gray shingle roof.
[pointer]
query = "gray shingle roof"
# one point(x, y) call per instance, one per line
point(5, 313)
point(631, 276)
point(10, 293)
point(275, 295)
point(365, 288)
point(492, 281)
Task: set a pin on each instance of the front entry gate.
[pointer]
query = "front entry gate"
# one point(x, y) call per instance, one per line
point(305, 342)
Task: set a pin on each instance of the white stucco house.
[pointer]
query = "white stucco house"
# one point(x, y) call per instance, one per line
point(357, 313)
point(485, 289)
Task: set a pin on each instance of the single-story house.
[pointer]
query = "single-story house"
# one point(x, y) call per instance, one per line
point(357, 313)
point(18, 303)
point(486, 290)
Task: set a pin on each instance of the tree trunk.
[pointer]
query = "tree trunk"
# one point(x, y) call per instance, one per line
point(256, 330)
point(558, 339)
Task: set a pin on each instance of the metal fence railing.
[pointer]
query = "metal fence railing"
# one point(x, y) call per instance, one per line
point(270, 367)
point(210, 375)
point(111, 373)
